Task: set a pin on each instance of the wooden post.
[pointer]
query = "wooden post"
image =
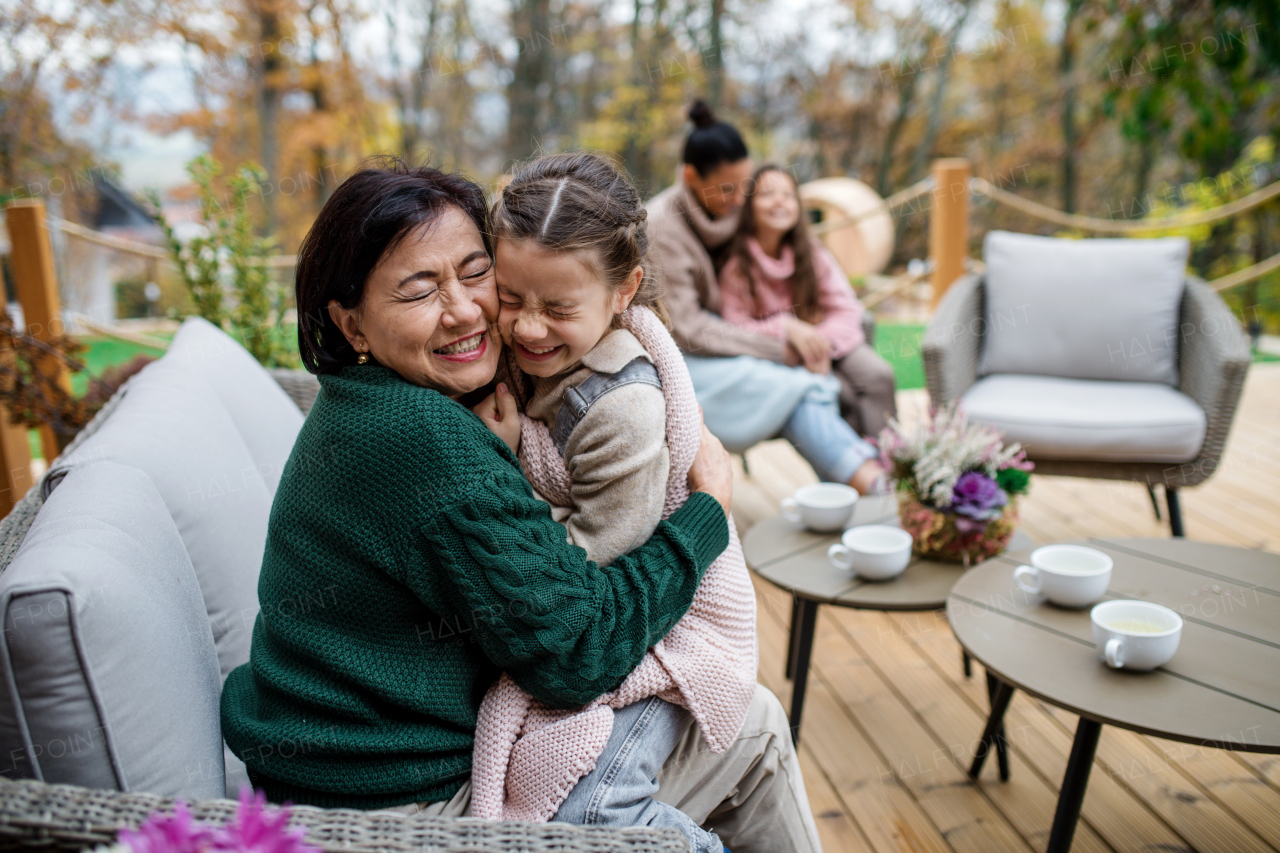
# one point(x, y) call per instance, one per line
point(15, 456)
point(36, 285)
point(949, 223)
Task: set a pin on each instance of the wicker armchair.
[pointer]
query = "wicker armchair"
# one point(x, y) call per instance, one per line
point(1213, 359)
point(36, 815)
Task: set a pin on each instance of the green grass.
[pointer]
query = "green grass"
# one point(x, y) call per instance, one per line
point(108, 352)
point(899, 344)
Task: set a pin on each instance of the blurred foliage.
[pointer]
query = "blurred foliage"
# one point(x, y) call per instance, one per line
point(33, 380)
point(225, 267)
point(1221, 248)
point(1098, 101)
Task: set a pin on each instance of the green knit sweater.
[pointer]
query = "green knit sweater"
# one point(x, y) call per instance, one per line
point(407, 564)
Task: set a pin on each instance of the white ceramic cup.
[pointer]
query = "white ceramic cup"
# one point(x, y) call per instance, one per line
point(824, 507)
point(874, 552)
point(1067, 575)
point(1135, 635)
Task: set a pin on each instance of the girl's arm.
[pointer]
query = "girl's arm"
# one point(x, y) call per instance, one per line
point(736, 304)
point(841, 311)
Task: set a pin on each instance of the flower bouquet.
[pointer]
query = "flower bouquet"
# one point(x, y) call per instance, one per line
point(957, 485)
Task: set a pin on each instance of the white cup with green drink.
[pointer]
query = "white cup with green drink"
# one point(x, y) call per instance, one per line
point(1135, 635)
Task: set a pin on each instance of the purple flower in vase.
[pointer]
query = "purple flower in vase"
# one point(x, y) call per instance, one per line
point(976, 499)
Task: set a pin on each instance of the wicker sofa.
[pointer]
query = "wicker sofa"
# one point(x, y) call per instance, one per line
point(128, 591)
point(1174, 357)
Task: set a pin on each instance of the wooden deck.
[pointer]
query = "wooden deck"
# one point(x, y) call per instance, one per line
point(890, 721)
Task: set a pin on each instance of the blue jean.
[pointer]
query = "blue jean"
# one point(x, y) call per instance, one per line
point(825, 439)
point(620, 790)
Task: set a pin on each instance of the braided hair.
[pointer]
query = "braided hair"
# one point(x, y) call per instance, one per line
point(581, 202)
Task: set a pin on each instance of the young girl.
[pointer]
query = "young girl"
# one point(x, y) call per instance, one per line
point(609, 430)
point(780, 281)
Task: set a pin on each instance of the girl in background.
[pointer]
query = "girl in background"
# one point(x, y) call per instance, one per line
point(781, 281)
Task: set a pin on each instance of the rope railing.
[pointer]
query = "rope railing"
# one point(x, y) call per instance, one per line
point(901, 198)
point(119, 333)
point(144, 250)
point(1106, 226)
point(1111, 226)
point(1247, 274)
point(898, 199)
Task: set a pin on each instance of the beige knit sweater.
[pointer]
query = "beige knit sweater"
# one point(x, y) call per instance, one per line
point(617, 454)
point(686, 245)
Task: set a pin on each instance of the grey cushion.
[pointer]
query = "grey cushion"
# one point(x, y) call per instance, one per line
point(1082, 419)
point(173, 426)
point(267, 419)
point(110, 675)
point(1083, 309)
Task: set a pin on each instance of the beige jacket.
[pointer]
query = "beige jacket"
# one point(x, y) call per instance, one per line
point(617, 454)
point(686, 246)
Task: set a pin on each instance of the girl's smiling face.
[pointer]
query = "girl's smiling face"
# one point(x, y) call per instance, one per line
point(555, 306)
point(774, 203)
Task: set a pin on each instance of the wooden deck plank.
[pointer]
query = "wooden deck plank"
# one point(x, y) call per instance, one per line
point(887, 688)
point(1251, 800)
point(966, 819)
point(1115, 812)
point(956, 725)
point(887, 817)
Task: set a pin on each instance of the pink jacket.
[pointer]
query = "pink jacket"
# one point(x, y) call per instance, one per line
point(842, 313)
point(527, 756)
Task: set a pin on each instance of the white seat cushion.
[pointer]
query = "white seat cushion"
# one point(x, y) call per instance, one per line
point(108, 674)
point(1083, 309)
point(267, 419)
point(1084, 419)
point(173, 426)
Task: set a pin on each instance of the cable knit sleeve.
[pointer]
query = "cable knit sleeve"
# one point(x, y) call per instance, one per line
point(737, 306)
point(565, 629)
point(841, 311)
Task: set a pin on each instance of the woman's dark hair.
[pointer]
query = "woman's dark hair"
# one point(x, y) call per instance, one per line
point(366, 218)
point(804, 282)
point(711, 142)
point(580, 202)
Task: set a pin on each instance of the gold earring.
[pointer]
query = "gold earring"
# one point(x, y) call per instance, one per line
point(362, 358)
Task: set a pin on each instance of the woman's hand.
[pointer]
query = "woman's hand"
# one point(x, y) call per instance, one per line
point(810, 344)
point(712, 471)
point(499, 413)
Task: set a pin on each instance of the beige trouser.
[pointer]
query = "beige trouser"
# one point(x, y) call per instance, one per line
point(751, 795)
point(866, 390)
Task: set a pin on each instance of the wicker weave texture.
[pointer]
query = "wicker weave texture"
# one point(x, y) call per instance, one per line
point(953, 341)
point(66, 817)
point(1213, 359)
point(300, 385)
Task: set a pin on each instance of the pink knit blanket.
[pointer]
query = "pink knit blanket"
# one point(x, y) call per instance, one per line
point(527, 755)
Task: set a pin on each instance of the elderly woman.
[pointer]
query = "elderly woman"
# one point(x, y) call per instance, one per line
point(440, 569)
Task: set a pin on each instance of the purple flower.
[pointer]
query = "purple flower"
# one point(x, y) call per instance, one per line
point(977, 498)
point(174, 833)
point(255, 829)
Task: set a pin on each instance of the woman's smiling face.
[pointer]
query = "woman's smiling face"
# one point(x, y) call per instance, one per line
point(429, 308)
